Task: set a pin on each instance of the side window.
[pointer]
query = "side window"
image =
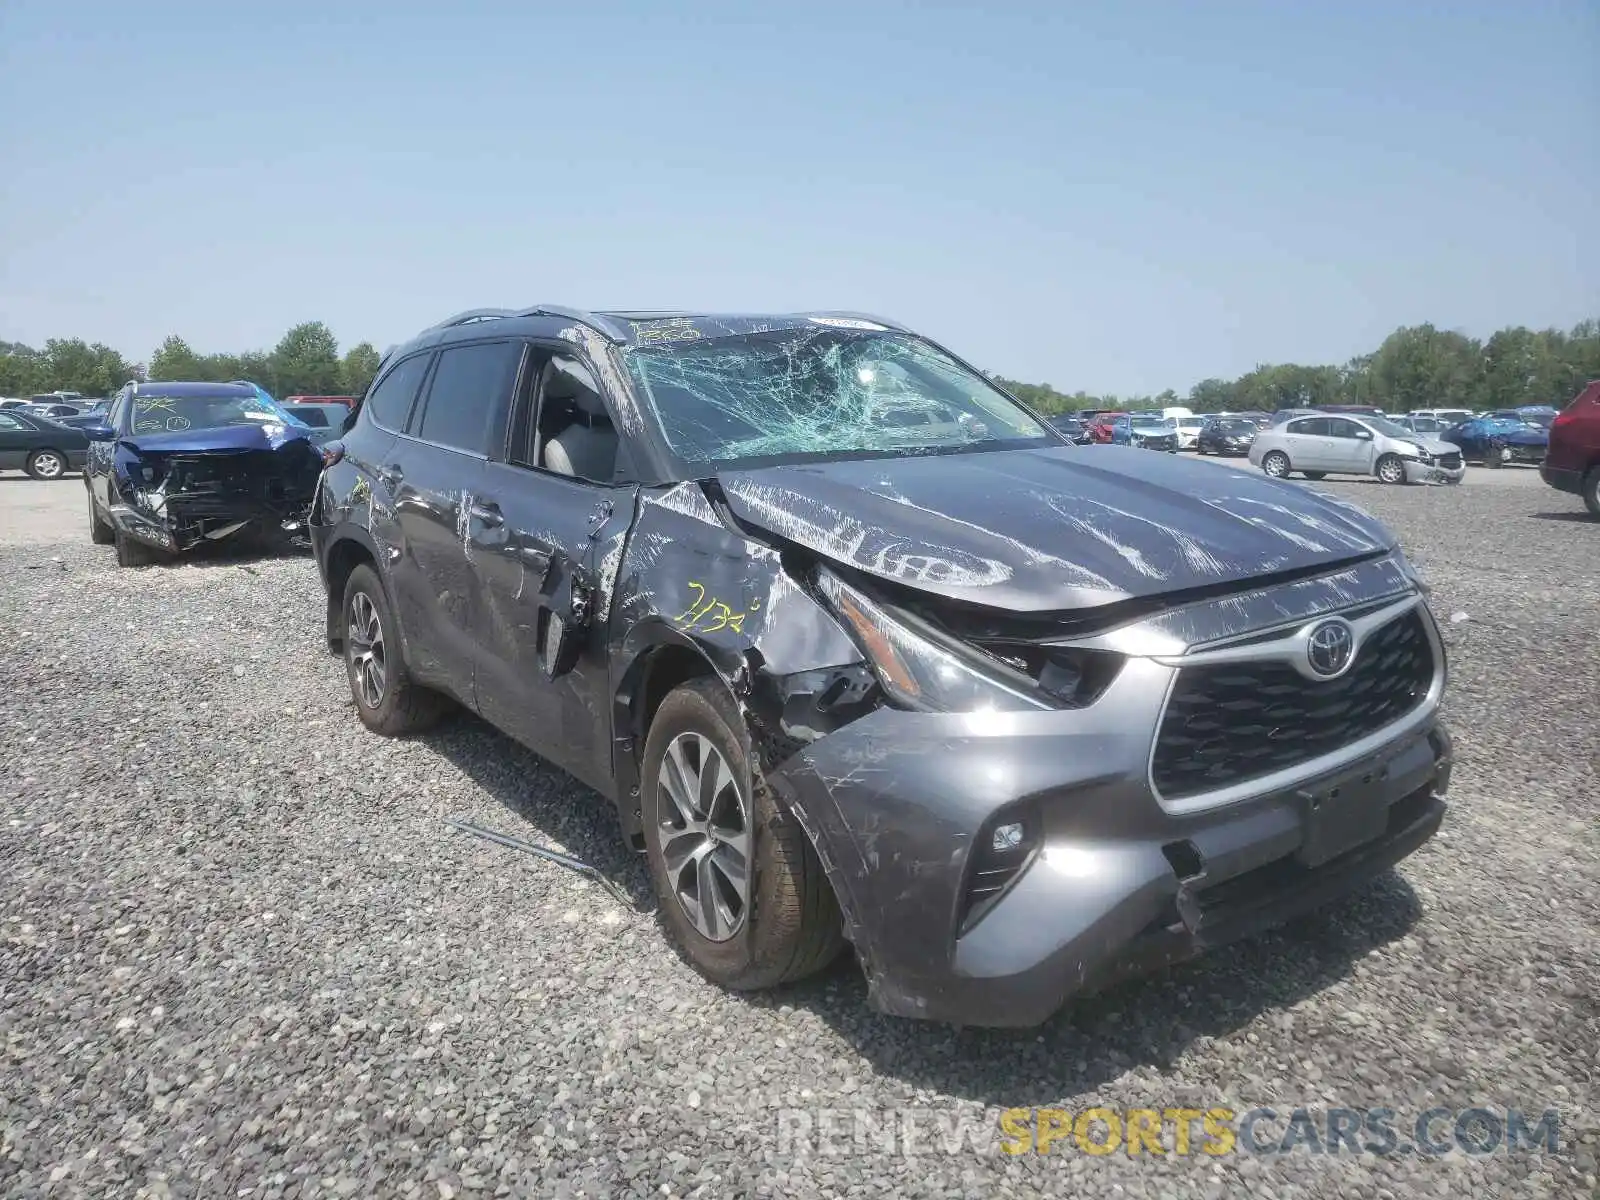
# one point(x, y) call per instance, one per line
point(1342, 429)
point(1312, 426)
point(470, 384)
point(391, 400)
point(562, 425)
point(9, 422)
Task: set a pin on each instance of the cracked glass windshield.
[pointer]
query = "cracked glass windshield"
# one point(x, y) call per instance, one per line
point(174, 414)
point(804, 393)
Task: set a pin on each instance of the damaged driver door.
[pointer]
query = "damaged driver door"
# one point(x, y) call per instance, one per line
point(554, 513)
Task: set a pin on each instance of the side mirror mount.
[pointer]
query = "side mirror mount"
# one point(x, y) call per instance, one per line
point(1364, 434)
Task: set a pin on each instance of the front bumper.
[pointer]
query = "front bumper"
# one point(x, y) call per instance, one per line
point(1119, 881)
point(1420, 472)
point(1166, 445)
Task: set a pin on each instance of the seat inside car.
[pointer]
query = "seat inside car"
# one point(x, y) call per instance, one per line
point(580, 439)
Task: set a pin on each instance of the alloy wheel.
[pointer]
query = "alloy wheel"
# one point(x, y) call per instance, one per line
point(369, 670)
point(1276, 465)
point(48, 465)
point(705, 836)
point(1390, 471)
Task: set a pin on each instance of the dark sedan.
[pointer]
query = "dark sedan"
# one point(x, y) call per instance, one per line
point(1227, 435)
point(39, 446)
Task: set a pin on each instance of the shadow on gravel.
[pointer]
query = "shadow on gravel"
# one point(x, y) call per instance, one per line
point(545, 801)
point(1144, 1022)
point(229, 553)
point(1576, 517)
point(1093, 1041)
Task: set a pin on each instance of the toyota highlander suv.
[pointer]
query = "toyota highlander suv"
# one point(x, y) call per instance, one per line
point(864, 653)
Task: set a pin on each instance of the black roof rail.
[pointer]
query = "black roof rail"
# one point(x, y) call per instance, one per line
point(599, 324)
point(596, 322)
point(468, 317)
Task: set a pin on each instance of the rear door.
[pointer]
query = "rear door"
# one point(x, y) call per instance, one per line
point(432, 472)
point(548, 553)
point(14, 444)
point(1305, 441)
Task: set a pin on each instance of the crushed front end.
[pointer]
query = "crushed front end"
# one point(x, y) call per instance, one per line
point(177, 498)
point(1192, 782)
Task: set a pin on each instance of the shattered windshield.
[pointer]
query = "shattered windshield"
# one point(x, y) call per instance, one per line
point(174, 414)
point(796, 393)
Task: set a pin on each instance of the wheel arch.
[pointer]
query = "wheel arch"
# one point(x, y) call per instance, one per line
point(349, 549)
point(657, 659)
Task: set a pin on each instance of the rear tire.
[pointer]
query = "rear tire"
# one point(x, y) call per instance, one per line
point(100, 531)
point(1276, 464)
point(787, 923)
point(387, 699)
point(1591, 492)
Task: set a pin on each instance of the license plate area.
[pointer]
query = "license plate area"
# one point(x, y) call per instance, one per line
point(1340, 812)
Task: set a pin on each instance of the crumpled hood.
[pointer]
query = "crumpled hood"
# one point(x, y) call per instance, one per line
point(1053, 528)
point(264, 435)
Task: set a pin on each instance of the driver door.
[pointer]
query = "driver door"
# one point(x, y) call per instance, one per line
point(547, 553)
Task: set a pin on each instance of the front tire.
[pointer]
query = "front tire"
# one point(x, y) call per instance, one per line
point(743, 895)
point(1390, 469)
point(1276, 464)
point(47, 464)
point(133, 553)
point(100, 531)
point(388, 700)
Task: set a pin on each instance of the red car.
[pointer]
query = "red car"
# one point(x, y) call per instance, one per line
point(1572, 463)
point(1100, 427)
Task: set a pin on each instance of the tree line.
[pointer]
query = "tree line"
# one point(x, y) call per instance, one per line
point(1417, 366)
point(305, 362)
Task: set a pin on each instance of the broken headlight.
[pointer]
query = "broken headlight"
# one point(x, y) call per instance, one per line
point(915, 666)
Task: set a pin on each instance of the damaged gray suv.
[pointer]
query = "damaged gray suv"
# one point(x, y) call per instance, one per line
point(865, 653)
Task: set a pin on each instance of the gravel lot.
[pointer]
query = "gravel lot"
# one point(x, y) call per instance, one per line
point(241, 954)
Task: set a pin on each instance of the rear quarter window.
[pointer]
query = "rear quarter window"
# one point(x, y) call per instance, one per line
point(390, 401)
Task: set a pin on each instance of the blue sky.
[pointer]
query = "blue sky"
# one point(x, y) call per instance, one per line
point(1119, 197)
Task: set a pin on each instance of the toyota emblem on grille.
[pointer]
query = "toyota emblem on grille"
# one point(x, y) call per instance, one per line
point(1330, 648)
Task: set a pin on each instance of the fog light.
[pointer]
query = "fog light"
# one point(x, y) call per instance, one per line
point(1007, 837)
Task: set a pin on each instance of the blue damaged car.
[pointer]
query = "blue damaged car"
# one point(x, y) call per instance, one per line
point(1500, 437)
point(178, 465)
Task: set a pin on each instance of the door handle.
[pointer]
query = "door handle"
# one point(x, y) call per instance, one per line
point(389, 476)
point(488, 513)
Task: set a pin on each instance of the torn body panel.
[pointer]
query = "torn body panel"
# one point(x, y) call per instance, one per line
point(697, 594)
point(176, 491)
